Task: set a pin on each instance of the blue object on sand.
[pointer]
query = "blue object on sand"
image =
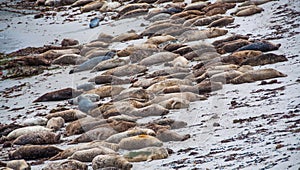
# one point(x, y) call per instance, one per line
point(94, 22)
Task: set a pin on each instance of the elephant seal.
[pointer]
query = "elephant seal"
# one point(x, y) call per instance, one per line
point(149, 31)
point(159, 86)
point(81, 3)
point(158, 58)
point(240, 56)
point(110, 79)
point(263, 59)
point(222, 22)
point(92, 6)
point(109, 64)
point(146, 154)
point(69, 59)
point(166, 72)
point(166, 135)
point(35, 121)
point(37, 138)
point(69, 42)
point(139, 142)
point(110, 161)
point(263, 46)
point(106, 91)
point(257, 75)
point(124, 118)
point(83, 146)
point(184, 95)
point(175, 103)
point(160, 39)
point(31, 152)
point(196, 6)
point(133, 93)
point(85, 104)
point(132, 6)
point(58, 95)
point(86, 87)
point(251, 10)
point(66, 165)
point(132, 48)
point(92, 52)
point(91, 63)
point(151, 110)
point(145, 83)
point(232, 46)
point(129, 133)
point(174, 124)
point(134, 13)
point(67, 115)
point(84, 124)
point(180, 62)
point(209, 86)
point(173, 46)
point(55, 123)
point(26, 130)
point(126, 70)
point(100, 133)
point(206, 20)
point(88, 155)
point(53, 54)
point(126, 37)
point(226, 76)
point(194, 35)
point(18, 165)
point(221, 42)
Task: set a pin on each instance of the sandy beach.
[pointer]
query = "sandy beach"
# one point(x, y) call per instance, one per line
point(241, 126)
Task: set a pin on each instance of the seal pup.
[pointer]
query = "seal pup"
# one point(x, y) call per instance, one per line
point(68, 164)
point(115, 161)
point(38, 138)
point(55, 123)
point(31, 152)
point(146, 154)
point(88, 155)
point(139, 142)
point(256, 75)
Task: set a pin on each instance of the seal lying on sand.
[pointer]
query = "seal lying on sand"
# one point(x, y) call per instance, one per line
point(67, 115)
point(88, 155)
point(83, 146)
point(263, 46)
point(26, 130)
point(132, 132)
point(63, 94)
point(257, 75)
point(37, 138)
point(68, 164)
point(55, 123)
point(146, 154)
point(110, 161)
point(31, 152)
point(139, 142)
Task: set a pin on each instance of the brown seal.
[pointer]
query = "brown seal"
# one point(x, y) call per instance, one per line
point(38, 138)
point(139, 142)
point(257, 75)
point(67, 115)
point(166, 135)
point(116, 161)
point(31, 152)
point(66, 165)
